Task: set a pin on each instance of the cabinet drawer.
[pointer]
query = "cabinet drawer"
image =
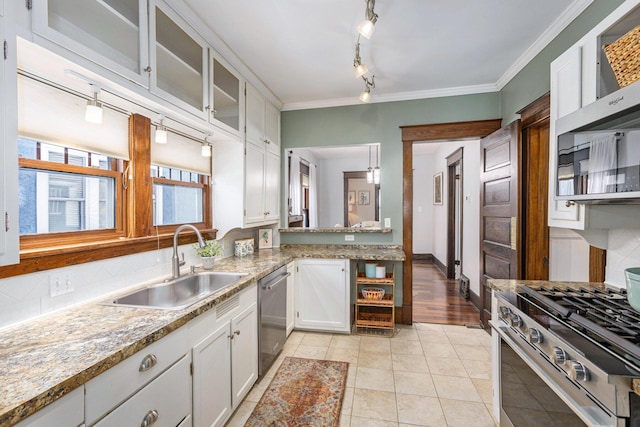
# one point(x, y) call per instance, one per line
point(168, 397)
point(66, 411)
point(110, 388)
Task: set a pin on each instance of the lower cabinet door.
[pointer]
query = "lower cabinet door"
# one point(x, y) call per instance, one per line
point(212, 379)
point(164, 402)
point(244, 349)
point(322, 295)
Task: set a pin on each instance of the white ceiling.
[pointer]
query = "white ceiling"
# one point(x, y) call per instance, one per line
point(303, 50)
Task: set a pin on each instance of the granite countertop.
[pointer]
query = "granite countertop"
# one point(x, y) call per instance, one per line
point(502, 285)
point(44, 359)
point(345, 230)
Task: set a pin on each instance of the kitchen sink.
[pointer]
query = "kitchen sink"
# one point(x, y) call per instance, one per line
point(179, 293)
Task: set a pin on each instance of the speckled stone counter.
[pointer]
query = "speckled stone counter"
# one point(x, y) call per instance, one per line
point(502, 285)
point(44, 359)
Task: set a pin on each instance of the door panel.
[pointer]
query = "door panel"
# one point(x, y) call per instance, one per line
point(499, 207)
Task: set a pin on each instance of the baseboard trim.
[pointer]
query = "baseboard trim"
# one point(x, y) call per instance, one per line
point(422, 257)
point(475, 299)
point(440, 266)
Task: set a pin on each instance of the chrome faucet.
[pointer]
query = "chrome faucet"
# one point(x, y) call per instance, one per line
point(175, 261)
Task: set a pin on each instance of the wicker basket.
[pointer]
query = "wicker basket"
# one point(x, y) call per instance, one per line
point(624, 57)
point(373, 293)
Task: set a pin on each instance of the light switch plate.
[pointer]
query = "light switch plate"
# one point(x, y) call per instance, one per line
point(387, 223)
point(349, 237)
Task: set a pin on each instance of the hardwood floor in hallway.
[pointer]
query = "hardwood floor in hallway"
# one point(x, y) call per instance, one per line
point(437, 299)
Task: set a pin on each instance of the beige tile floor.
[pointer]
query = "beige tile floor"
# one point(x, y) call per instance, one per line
point(426, 375)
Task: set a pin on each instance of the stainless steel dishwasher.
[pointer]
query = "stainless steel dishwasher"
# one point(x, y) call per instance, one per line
point(272, 306)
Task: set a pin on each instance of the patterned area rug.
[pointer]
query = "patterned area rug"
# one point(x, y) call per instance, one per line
point(304, 392)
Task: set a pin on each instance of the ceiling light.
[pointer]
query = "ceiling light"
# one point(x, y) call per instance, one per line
point(365, 96)
point(369, 169)
point(368, 25)
point(93, 113)
point(359, 69)
point(161, 133)
point(376, 170)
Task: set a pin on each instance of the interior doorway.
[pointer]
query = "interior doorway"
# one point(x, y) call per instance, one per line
point(454, 215)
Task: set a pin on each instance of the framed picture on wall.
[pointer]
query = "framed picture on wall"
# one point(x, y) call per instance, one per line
point(363, 197)
point(437, 189)
point(265, 238)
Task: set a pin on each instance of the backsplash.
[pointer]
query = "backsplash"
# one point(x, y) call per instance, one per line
point(623, 252)
point(27, 296)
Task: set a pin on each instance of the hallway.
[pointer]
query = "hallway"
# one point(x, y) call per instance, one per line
point(436, 299)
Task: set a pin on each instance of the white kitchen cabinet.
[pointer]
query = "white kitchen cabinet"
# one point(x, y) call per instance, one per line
point(111, 33)
point(291, 305)
point(115, 386)
point(322, 295)
point(566, 97)
point(9, 238)
point(262, 185)
point(178, 61)
point(263, 121)
point(226, 108)
point(66, 411)
point(164, 402)
point(225, 357)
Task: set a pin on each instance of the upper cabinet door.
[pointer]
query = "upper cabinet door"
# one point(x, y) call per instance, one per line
point(566, 97)
point(179, 64)
point(111, 33)
point(226, 96)
point(255, 105)
point(272, 128)
point(9, 238)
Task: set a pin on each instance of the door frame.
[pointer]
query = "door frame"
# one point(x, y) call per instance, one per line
point(426, 133)
point(453, 160)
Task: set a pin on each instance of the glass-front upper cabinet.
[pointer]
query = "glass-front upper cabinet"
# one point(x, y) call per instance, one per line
point(228, 102)
point(179, 64)
point(111, 33)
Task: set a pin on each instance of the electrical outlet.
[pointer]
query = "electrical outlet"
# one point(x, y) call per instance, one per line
point(60, 284)
point(349, 237)
point(387, 223)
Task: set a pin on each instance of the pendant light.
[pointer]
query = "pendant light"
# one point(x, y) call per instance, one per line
point(161, 132)
point(376, 170)
point(369, 170)
point(93, 113)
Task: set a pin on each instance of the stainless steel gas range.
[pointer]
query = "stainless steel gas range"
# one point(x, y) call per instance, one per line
point(567, 357)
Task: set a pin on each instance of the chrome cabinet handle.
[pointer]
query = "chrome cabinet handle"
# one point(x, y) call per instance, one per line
point(149, 361)
point(233, 334)
point(150, 419)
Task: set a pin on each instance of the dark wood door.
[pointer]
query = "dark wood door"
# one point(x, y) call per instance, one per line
point(498, 211)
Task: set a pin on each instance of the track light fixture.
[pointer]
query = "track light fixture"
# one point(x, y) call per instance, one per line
point(206, 147)
point(368, 25)
point(365, 96)
point(359, 69)
point(161, 132)
point(93, 113)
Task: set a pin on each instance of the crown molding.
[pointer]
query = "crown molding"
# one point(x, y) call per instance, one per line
point(400, 96)
point(571, 13)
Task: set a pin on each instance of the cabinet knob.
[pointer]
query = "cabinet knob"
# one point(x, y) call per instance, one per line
point(149, 361)
point(266, 141)
point(236, 332)
point(148, 69)
point(150, 419)
point(569, 203)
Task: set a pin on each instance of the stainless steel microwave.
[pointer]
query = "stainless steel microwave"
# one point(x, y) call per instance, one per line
point(598, 151)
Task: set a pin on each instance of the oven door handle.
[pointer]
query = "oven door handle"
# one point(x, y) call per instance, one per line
point(585, 416)
point(273, 283)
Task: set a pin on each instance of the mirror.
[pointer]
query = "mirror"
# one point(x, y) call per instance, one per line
point(322, 179)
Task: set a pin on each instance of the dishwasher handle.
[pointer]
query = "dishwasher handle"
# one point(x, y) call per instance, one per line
point(273, 283)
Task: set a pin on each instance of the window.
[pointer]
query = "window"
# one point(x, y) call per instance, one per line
point(64, 190)
point(178, 196)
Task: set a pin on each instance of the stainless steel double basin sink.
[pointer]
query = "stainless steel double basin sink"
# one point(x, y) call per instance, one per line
point(179, 293)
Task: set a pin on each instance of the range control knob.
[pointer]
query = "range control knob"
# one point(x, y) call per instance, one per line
point(535, 337)
point(578, 372)
point(505, 312)
point(558, 355)
point(515, 321)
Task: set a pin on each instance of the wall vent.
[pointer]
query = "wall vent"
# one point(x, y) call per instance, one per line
point(227, 306)
point(464, 287)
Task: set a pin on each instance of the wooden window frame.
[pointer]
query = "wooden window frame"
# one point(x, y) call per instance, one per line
point(134, 232)
point(205, 185)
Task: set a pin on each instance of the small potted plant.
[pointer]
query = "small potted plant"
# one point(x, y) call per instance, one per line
point(208, 252)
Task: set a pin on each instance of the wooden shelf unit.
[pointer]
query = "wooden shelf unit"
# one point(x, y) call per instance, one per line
point(375, 317)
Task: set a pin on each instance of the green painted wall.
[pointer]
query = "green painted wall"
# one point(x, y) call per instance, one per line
point(380, 122)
